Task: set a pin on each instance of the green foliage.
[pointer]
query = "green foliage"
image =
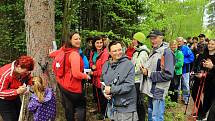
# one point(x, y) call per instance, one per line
point(12, 32)
point(171, 114)
point(119, 19)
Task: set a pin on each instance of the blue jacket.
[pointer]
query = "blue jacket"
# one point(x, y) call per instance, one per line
point(86, 62)
point(188, 58)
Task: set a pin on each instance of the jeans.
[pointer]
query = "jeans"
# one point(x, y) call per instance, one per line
point(156, 109)
point(185, 86)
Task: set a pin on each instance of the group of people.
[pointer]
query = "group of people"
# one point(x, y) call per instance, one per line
point(121, 78)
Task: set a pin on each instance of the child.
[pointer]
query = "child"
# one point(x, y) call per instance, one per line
point(42, 101)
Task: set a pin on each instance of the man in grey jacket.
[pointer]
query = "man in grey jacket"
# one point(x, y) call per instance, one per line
point(159, 70)
point(118, 77)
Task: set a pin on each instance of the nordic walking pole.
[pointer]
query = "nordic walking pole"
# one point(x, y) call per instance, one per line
point(22, 109)
point(201, 93)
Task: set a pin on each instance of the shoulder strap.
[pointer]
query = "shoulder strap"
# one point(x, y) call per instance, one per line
point(140, 52)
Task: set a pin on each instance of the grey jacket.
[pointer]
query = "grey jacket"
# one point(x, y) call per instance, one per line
point(120, 76)
point(157, 83)
point(139, 58)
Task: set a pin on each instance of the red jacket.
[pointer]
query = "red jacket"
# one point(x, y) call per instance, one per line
point(74, 67)
point(129, 52)
point(9, 83)
point(101, 59)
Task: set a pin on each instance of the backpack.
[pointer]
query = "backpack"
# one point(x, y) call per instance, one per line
point(140, 52)
point(58, 64)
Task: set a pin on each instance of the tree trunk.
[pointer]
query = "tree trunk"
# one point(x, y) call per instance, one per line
point(40, 32)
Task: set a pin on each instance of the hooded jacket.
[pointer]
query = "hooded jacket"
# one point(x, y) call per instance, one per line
point(188, 58)
point(179, 61)
point(129, 52)
point(120, 76)
point(45, 111)
point(139, 58)
point(100, 60)
point(74, 67)
point(9, 83)
point(160, 66)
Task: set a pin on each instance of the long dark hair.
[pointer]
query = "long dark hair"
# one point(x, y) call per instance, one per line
point(96, 38)
point(68, 43)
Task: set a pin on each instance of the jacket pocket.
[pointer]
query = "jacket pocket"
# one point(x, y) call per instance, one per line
point(158, 93)
point(122, 102)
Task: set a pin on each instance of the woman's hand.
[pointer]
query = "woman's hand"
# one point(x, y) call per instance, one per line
point(144, 70)
point(91, 73)
point(94, 67)
point(22, 89)
point(208, 64)
point(51, 51)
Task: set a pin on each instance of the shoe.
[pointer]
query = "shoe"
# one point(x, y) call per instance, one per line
point(99, 116)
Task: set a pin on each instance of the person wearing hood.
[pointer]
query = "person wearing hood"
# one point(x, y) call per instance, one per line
point(70, 84)
point(159, 71)
point(42, 102)
point(118, 85)
point(139, 58)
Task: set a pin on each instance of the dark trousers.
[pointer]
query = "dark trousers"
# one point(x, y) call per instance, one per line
point(195, 89)
point(9, 109)
point(208, 96)
point(140, 104)
point(100, 100)
point(211, 115)
point(174, 88)
point(73, 103)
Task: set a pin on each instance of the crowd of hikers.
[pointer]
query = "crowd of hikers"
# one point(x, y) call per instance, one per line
point(121, 78)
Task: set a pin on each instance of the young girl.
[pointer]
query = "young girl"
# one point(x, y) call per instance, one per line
point(42, 102)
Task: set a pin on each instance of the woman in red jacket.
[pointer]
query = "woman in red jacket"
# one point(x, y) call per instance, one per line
point(14, 78)
point(70, 84)
point(98, 56)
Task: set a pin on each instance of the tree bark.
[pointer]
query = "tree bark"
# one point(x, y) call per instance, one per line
point(40, 32)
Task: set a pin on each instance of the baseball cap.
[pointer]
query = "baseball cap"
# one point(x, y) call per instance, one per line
point(155, 33)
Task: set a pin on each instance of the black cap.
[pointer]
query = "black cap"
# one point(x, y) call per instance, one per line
point(155, 33)
point(201, 35)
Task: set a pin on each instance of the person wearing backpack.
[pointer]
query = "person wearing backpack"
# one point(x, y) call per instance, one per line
point(99, 55)
point(139, 58)
point(13, 80)
point(68, 67)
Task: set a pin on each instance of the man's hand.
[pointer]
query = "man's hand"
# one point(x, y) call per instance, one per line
point(108, 96)
point(107, 90)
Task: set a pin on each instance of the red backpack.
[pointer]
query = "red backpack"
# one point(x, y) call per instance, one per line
point(58, 64)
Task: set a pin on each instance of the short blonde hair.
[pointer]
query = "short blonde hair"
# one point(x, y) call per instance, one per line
point(173, 42)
